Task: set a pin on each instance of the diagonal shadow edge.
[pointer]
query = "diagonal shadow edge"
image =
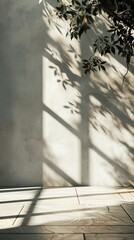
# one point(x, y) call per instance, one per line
point(125, 172)
point(60, 172)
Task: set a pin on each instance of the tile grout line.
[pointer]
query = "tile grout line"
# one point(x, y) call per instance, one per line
point(18, 215)
point(121, 196)
point(116, 192)
point(77, 195)
point(128, 193)
point(132, 195)
point(84, 237)
point(127, 213)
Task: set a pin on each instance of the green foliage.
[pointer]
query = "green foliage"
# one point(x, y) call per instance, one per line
point(93, 64)
point(81, 15)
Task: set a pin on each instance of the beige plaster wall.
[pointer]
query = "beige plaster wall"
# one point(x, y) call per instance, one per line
point(96, 146)
point(42, 141)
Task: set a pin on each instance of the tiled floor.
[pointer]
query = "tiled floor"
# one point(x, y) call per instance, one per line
point(75, 213)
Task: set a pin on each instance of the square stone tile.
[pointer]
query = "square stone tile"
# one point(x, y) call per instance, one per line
point(75, 215)
point(129, 208)
point(67, 229)
point(109, 236)
point(96, 195)
point(8, 214)
point(126, 193)
point(59, 215)
point(46, 196)
point(58, 196)
point(127, 196)
point(19, 195)
point(41, 236)
point(115, 216)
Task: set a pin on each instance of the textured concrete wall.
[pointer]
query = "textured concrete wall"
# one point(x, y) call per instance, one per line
point(43, 140)
point(20, 92)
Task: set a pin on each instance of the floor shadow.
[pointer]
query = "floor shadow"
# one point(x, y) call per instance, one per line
point(39, 220)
